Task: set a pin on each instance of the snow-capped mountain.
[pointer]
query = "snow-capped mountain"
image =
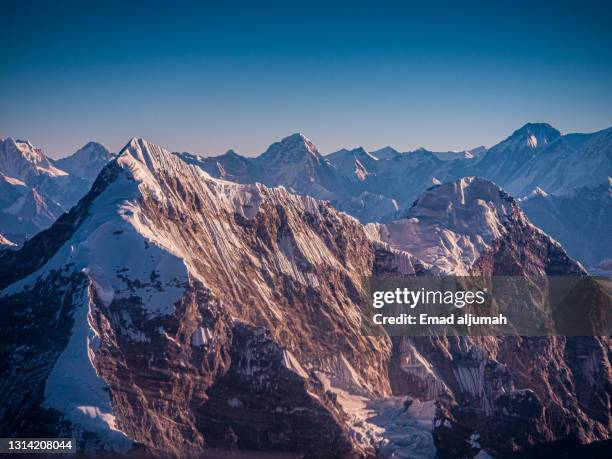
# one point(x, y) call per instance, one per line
point(184, 312)
point(372, 186)
point(382, 185)
point(355, 164)
point(403, 178)
point(536, 155)
point(459, 219)
point(35, 190)
point(86, 162)
point(582, 220)
point(220, 300)
point(390, 152)
point(294, 163)
point(21, 160)
point(571, 162)
point(228, 166)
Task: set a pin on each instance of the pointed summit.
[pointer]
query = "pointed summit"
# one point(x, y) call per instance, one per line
point(354, 164)
point(141, 153)
point(503, 161)
point(87, 161)
point(291, 149)
point(535, 135)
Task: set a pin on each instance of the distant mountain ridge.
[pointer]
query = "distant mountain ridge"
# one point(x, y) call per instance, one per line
point(87, 161)
point(382, 185)
point(35, 189)
point(582, 220)
point(371, 186)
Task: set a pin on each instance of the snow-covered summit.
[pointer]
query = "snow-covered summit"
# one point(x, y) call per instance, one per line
point(290, 149)
point(451, 225)
point(158, 244)
point(36, 190)
point(531, 136)
point(87, 161)
point(22, 160)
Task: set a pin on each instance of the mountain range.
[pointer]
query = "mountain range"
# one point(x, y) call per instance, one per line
point(381, 188)
point(536, 164)
point(173, 312)
point(35, 190)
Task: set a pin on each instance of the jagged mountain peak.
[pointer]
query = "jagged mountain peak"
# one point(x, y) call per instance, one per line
point(94, 149)
point(460, 227)
point(158, 239)
point(361, 150)
point(291, 148)
point(140, 154)
point(87, 161)
point(355, 164)
point(20, 159)
point(25, 148)
point(537, 128)
point(511, 157)
point(196, 304)
point(295, 137)
point(460, 220)
point(25, 142)
point(536, 135)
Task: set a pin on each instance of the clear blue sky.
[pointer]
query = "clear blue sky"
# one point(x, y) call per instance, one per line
point(208, 76)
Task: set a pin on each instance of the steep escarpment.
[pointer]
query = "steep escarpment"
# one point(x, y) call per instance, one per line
point(196, 300)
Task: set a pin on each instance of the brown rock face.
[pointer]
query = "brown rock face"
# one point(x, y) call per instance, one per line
point(507, 394)
point(203, 314)
point(261, 298)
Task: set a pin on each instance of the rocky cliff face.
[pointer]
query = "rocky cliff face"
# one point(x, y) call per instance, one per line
point(177, 296)
point(503, 394)
point(183, 312)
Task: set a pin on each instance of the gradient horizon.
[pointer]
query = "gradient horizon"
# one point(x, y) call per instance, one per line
point(205, 78)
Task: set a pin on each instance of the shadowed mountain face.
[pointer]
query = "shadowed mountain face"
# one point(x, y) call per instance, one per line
point(582, 220)
point(35, 190)
point(184, 312)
